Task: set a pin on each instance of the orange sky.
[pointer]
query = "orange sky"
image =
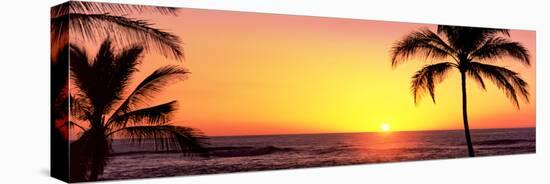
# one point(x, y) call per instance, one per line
point(277, 74)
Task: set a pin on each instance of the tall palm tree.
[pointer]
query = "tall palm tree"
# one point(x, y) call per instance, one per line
point(99, 101)
point(91, 21)
point(471, 51)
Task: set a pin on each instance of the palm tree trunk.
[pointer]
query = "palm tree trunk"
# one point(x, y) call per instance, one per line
point(94, 173)
point(100, 149)
point(465, 115)
point(95, 159)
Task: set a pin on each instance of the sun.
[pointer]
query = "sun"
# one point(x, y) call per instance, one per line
point(385, 127)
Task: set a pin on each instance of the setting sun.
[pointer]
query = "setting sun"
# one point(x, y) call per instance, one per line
point(385, 127)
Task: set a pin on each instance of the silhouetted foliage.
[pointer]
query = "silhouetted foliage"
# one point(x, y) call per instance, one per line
point(94, 20)
point(59, 115)
point(99, 102)
point(470, 50)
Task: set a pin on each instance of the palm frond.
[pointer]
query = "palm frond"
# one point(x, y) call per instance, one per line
point(498, 47)
point(105, 57)
point(451, 30)
point(504, 79)
point(474, 73)
point(93, 26)
point(113, 71)
point(151, 86)
point(425, 79)
point(81, 70)
point(59, 96)
point(80, 107)
point(59, 75)
point(114, 8)
point(71, 125)
point(59, 34)
point(86, 75)
point(466, 39)
point(167, 137)
point(155, 115)
point(423, 43)
point(125, 66)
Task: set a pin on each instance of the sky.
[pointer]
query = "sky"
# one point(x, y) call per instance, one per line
point(255, 74)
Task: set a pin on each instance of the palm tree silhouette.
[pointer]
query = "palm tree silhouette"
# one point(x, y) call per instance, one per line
point(93, 20)
point(90, 21)
point(98, 100)
point(470, 50)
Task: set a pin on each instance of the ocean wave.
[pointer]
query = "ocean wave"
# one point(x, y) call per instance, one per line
point(245, 151)
point(502, 142)
point(334, 150)
point(227, 151)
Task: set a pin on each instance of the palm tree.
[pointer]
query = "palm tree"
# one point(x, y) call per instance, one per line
point(91, 21)
point(470, 50)
point(98, 99)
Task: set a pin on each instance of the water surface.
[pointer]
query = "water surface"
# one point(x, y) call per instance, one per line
point(268, 152)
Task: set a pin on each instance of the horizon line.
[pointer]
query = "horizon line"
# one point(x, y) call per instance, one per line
point(313, 133)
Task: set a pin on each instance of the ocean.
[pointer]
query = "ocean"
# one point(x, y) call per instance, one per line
point(269, 152)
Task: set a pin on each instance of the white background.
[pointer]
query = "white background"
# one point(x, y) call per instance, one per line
point(24, 91)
